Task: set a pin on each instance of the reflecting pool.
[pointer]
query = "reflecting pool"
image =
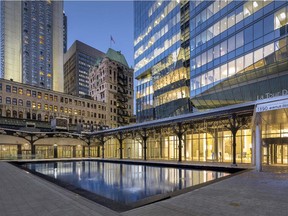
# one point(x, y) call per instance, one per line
point(124, 183)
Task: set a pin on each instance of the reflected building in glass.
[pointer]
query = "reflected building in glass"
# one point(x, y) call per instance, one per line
point(161, 63)
point(238, 51)
point(228, 52)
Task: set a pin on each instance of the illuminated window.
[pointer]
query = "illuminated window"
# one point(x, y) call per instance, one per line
point(28, 92)
point(20, 91)
point(51, 108)
point(39, 106)
point(46, 96)
point(39, 95)
point(14, 89)
point(46, 106)
point(280, 18)
point(55, 109)
point(33, 104)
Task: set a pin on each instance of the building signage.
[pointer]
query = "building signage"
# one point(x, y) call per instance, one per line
point(270, 95)
point(272, 106)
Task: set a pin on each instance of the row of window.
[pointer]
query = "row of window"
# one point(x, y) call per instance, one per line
point(156, 53)
point(157, 36)
point(250, 61)
point(227, 22)
point(39, 95)
point(54, 108)
point(243, 42)
point(154, 22)
point(38, 117)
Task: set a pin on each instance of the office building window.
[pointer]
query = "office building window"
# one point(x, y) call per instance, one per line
point(8, 88)
point(8, 100)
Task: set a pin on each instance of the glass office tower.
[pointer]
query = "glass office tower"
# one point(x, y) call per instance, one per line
point(163, 76)
point(237, 52)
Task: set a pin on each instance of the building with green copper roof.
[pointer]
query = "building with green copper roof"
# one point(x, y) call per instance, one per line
point(116, 56)
point(111, 81)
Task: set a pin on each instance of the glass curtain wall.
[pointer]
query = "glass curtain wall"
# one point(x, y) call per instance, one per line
point(201, 144)
point(230, 42)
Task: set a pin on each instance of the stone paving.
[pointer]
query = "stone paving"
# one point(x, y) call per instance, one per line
point(249, 193)
point(23, 194)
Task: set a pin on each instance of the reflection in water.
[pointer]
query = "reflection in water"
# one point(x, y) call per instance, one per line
point(124, 183)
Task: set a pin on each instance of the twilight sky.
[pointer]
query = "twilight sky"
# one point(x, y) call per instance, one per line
point(92, 22)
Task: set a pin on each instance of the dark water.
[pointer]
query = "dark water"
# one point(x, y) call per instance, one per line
point(124, 183)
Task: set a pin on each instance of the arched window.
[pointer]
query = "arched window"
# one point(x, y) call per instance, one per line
point(39, 118)
point(51, 117)
point(46, 118)
point(14, 114)
point(28, 115)
point(70, 120)
point(20, 115)
point(34, 116)
point(20, 102)
point(75, 121)
point(8, 100)
point(8, 113)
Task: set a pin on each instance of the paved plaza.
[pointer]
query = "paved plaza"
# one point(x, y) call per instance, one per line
point(249, 193)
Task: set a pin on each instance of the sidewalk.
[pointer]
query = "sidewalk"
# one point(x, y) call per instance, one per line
point(249, 193)
point(23, 194)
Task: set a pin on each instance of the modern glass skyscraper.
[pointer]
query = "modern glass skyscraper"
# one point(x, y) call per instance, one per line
point(32, 43)
point(163, 76)
point(78, 61)
point(237, 52)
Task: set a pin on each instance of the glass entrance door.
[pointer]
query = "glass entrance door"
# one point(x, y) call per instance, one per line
point(275, 154)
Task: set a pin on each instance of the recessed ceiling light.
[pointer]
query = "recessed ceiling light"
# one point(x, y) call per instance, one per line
point(283, 15)
point(255, 4)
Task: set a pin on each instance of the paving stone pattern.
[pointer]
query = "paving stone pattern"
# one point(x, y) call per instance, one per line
point(249, 193)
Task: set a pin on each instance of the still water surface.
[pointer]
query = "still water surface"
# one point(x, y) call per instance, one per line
point(124, 183)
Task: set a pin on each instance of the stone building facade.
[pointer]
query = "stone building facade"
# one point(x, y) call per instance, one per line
point(111, 82)
point(24, 101)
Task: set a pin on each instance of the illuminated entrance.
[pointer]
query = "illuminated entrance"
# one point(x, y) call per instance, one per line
point(271, 133)
point(275, 137)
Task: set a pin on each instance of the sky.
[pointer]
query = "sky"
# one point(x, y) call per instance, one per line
point(94, 22)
